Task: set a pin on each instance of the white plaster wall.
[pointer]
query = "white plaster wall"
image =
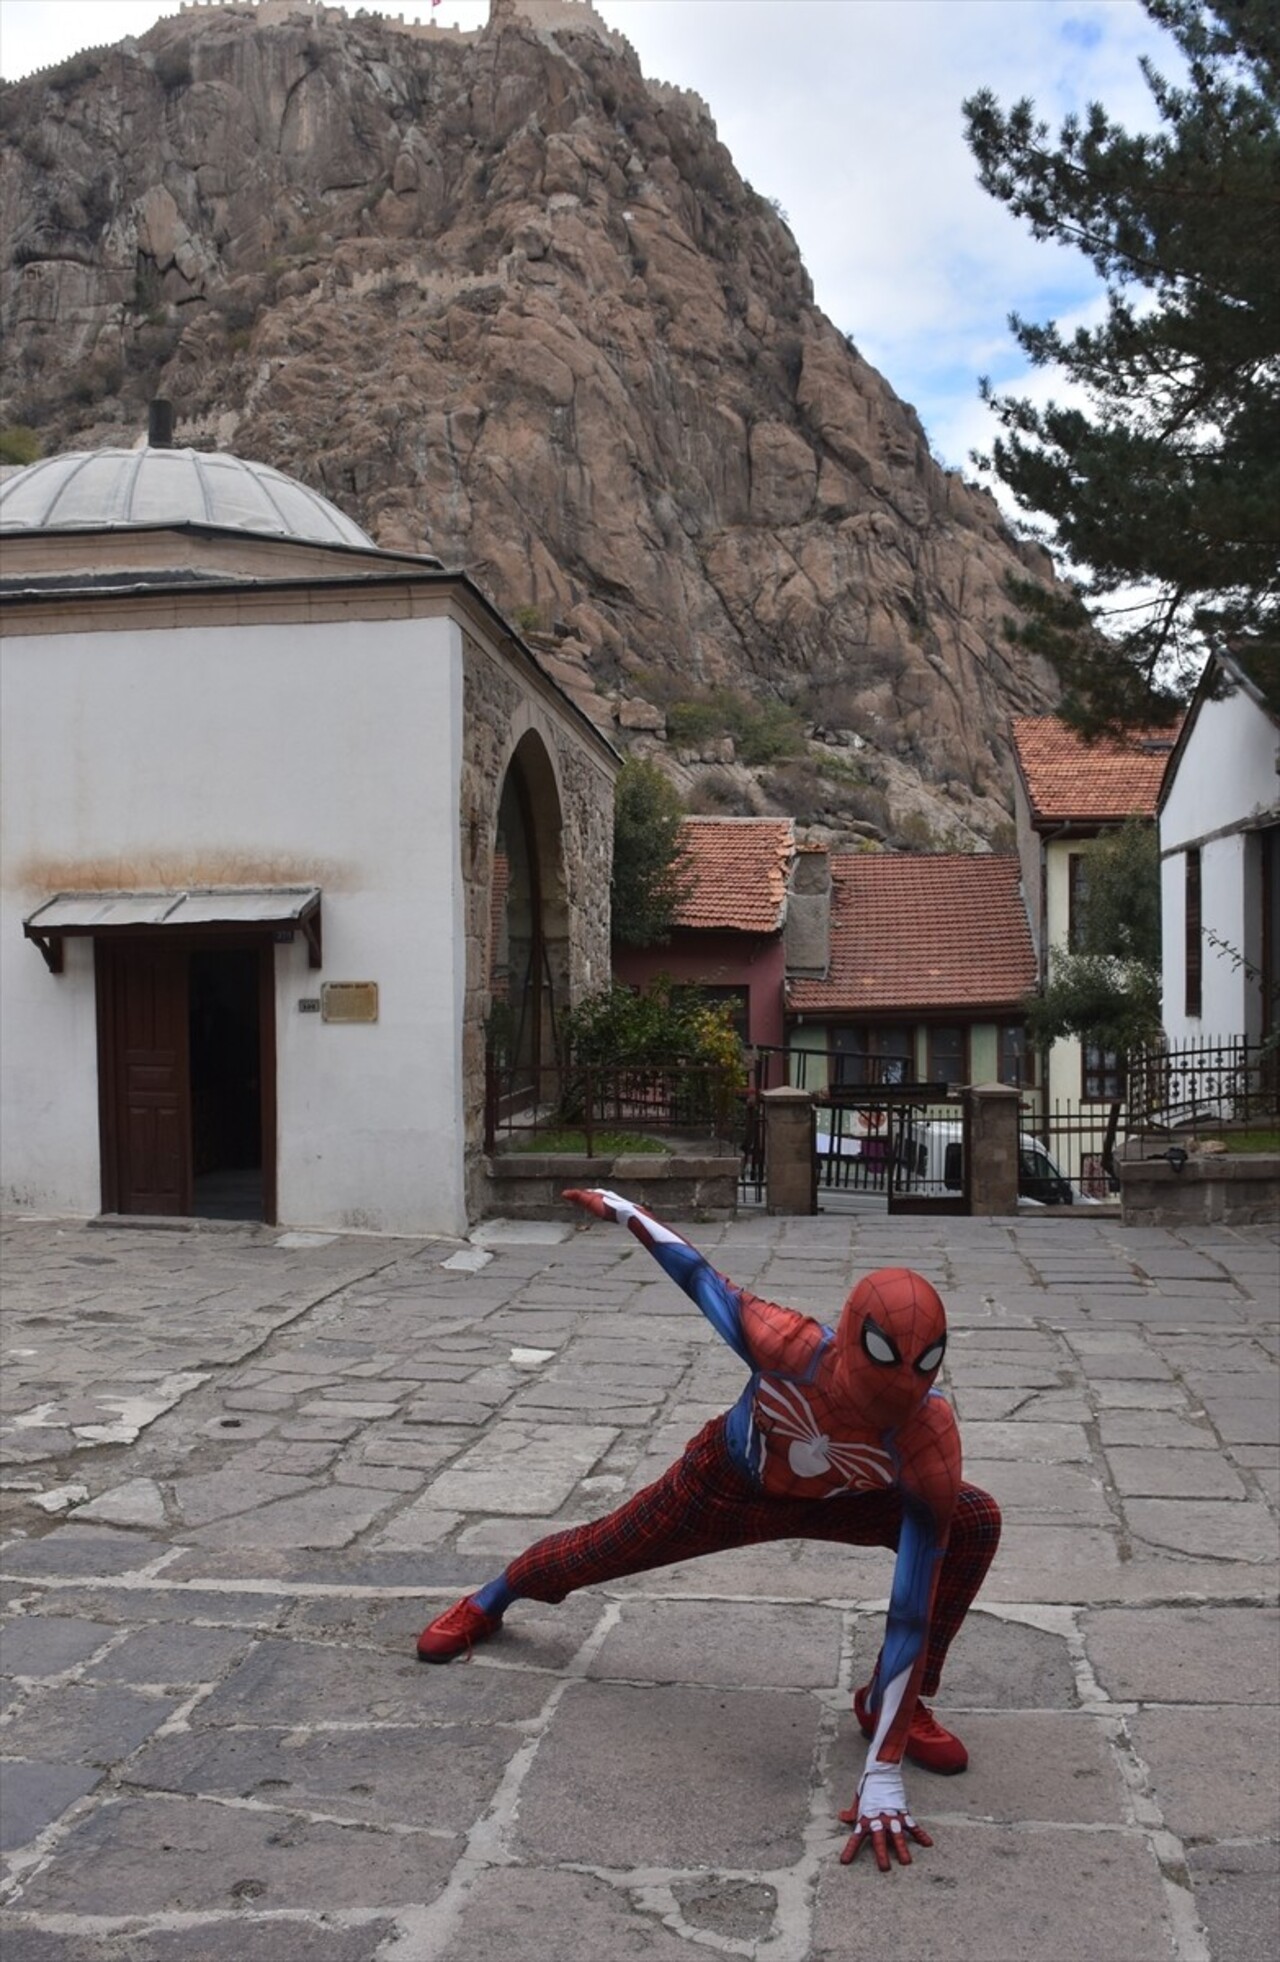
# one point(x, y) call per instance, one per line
point(1227, 772)
point(289, 754)
point(1226, 775)
point(1229, 1000)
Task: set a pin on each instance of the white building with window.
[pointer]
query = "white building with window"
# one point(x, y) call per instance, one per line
point(1219, 815)
point(1068, 793)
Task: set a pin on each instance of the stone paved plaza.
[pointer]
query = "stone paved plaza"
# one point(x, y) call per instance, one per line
point(242, 1467)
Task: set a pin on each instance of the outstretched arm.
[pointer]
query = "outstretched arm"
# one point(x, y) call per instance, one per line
point(717, 1297)
point(931, 1479)
point(879, 1812)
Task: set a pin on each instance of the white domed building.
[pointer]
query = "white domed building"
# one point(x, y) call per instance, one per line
point(283, 815)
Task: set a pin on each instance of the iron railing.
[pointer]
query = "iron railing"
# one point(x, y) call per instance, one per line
point(1195, 1086)
point(681, 1100)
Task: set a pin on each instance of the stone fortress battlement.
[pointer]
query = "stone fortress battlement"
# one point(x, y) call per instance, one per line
point(549, 16)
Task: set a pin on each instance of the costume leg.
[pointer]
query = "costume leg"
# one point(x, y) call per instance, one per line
point(975, 1535)
point(874, 1519)
point(702, 1504)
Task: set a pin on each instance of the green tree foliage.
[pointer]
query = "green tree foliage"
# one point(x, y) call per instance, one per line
point(1106, 988)
point(649, 881)
point(18, 444)
point(763, 732)
point(1168, 480)
point(1104, 999)
point(666, 1023)
point(636, 1041)
point(1120, 898)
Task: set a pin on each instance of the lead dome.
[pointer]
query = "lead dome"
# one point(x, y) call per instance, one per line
point(117, 488)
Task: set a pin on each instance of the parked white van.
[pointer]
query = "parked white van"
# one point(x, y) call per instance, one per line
point(936, 1157)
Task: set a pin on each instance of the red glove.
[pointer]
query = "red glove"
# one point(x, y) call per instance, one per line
point(879, 1814)
point(605, 1205)
point(883, 1830)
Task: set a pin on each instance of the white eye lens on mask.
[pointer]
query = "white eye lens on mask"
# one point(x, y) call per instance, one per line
point(931, 1357)
point(878, 1346)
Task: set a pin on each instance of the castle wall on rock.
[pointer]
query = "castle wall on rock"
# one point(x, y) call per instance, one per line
point(577, 16)
point(550, 16)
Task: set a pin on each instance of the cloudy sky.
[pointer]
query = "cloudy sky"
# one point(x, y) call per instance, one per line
point(848, 113)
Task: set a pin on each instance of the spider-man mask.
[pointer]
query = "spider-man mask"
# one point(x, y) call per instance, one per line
point(889, 1345)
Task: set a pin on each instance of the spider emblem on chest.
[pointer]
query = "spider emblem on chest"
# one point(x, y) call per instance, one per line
point(786, 1413)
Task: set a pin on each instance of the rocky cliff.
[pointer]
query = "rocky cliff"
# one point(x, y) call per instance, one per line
point(500, 296)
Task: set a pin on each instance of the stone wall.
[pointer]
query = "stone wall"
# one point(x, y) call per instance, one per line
point(1236, 1189)
point(676, 1185)
point(501, 706)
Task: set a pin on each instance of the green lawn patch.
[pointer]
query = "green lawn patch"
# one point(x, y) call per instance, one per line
point(604, 1144)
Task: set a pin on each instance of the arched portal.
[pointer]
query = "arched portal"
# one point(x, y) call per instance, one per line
point(528, 925)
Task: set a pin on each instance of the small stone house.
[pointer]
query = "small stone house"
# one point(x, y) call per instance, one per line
point(727, 936)
point(283, 816)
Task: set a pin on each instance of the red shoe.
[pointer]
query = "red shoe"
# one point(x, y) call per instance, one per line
point(928, 1744)
point(457, 1630)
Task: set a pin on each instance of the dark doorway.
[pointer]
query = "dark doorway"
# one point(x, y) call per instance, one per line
point(186, 1056)
point(226, 1084)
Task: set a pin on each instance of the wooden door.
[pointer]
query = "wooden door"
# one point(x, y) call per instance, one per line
point(143, 1073)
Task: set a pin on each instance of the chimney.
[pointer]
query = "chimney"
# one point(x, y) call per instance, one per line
point(807, 934)
point(160, 425)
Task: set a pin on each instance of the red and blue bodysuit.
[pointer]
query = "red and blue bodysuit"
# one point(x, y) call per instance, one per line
point(837, 1435)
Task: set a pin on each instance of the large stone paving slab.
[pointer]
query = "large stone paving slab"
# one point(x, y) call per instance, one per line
point(790, 1647)
point(153, 1855)
point(522, 1468)
point(996, 1665)
point(1208, 1527)
point(46, 1645)
point(1237, 1893)
point(80, 1723)
point(1215, 1769)
point(1009, 1895)
point(1186, 1655)
point(585, 1918)
point(440, 1777)
point(674, 1777)
point(238, 1937)
point(33, 1794)
point(302, 1683)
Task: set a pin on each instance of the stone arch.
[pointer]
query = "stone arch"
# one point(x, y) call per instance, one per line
point(529, 928)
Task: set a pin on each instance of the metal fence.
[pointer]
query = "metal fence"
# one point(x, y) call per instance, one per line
point(680, 1100)
point(1194, 1087)
point(1073, 1137)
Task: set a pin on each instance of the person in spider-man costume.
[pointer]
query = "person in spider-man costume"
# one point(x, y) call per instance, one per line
point(838, 1435)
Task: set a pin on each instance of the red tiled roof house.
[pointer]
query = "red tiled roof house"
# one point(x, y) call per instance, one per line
point(928, 960)
point(728, 934)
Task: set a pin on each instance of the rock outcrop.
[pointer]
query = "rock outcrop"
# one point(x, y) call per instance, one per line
point(500, 296)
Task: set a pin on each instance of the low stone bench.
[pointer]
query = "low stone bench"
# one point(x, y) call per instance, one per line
point(1221, 1189)
point(673, 1185)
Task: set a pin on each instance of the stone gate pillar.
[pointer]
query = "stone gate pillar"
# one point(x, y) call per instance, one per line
point(992, 1115)
point(790, 1166)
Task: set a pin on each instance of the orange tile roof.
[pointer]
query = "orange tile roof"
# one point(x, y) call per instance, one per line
point(738, 870)
point(1071, 781)
point(941, 931)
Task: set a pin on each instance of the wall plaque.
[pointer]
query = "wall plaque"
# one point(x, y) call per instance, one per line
point(349, 1001)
